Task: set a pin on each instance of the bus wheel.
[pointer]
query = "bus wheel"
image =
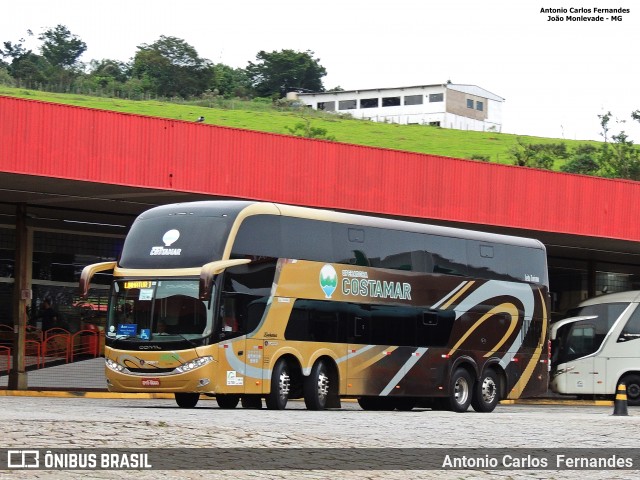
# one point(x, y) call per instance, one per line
point(227, 401)
point(187, 400)
point(460, 390)
point(486, 393)
point(316, 387)
point(280, 387)
point(632, 384)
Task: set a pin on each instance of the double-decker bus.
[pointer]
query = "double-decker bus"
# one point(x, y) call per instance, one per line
point(248, 301)
point(597, 348)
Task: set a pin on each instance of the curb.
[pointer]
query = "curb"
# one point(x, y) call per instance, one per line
point(146, 396)
point(74, 394)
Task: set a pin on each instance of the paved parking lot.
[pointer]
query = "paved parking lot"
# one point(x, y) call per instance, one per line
point(49, 423)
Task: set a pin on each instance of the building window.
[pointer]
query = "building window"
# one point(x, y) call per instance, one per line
point(391, 102)
point(327, 106)
point(413, 100)
point(436, 97)
point(434, 124)
point(479, 106)
point(469, 103)
point(347, 104)
point(369, 103)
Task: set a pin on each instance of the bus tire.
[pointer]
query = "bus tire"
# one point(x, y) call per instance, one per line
point(486, 393)
point(227, 401)
point(280, 386)
point(317, 387)
point(460, 389)
point(632, 384)
point(187, 400)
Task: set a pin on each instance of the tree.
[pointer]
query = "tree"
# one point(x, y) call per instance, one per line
point(107, 71)
point(537, 155)
point(61, 48)
point(277, 73)
point(28, 68)
point(584, 160)
point(619, 158)
point(172, 67)
point(230, 82)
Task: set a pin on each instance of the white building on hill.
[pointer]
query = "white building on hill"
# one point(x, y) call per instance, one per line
point(461, 107)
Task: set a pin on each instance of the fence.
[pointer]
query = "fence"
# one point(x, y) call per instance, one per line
point(56, 358)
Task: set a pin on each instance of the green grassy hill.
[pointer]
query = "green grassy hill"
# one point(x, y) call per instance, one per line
point(261, 116)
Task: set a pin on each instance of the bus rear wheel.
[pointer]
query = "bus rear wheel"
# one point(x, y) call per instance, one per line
point(280, 386)
point(632, 384)
point(486, 394)
point(460, 390)
point(316, 387)
point(227, 401)
point(187, 400)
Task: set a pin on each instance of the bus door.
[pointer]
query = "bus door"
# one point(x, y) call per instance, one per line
point(241, 362)
point(232, 360)
point(360, 353)
point(578, 344)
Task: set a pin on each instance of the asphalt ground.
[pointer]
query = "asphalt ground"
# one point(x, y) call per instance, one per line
point(48, 420)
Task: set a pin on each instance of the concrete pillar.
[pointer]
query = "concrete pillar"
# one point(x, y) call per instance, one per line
point(21, 297)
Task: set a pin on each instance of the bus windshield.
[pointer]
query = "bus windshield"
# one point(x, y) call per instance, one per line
point(584, 336)
point(158, 310)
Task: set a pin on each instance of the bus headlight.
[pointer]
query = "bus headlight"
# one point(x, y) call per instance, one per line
point(116, 367)
point(193, 364)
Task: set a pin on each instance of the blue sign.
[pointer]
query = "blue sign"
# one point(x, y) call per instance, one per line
point(127, 329)
point(145, 333)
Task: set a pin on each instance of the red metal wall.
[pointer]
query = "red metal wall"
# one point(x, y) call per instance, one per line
point(38, 138)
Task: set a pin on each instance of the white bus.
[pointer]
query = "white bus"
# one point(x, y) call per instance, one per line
point(598, 347)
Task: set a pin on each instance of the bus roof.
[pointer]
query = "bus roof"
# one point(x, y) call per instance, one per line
point(235, 208)
point(628, 296)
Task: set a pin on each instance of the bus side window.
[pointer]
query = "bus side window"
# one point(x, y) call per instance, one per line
point(631, 330)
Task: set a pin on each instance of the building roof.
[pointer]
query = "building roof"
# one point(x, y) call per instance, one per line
point(71, 162)
point(470, 89)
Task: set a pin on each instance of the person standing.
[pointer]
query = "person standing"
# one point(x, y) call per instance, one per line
point(48, 315)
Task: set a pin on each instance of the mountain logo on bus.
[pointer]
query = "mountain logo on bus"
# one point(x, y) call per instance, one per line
point(328, 280)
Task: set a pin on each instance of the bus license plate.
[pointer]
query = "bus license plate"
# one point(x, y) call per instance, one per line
point(150, 382)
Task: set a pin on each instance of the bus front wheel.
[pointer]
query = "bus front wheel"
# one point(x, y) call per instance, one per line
point(486, 394)
point(632, 384)
point(187, 400)
point(460, 390)
point(316, 387)
point(280, 386)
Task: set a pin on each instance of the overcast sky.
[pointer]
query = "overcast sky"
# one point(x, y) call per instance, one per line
point(556, 77)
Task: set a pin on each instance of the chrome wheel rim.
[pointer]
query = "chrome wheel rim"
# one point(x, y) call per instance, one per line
point(489, 390)
point(461, 391)
point(284, 385)
point(323, 386)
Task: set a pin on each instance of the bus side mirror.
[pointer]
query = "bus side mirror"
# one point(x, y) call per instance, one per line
point(208, 274)
point(87, 274)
